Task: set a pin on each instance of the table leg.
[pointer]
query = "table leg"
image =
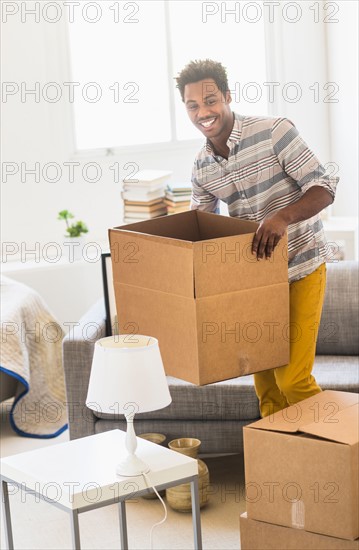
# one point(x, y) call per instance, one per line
point(7, 515)
point(196, 515)
point(123, 524)
point(75, 531)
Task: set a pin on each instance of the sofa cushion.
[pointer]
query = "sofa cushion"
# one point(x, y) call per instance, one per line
point(232, 399)
point(235, 399)
point(339, 325)
point(222, 433)
point(216, 437)
point(337, 372)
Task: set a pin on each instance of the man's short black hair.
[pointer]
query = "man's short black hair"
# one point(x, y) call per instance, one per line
point(201, 70)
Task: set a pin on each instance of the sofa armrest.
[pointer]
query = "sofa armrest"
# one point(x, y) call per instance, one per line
point(78, 348)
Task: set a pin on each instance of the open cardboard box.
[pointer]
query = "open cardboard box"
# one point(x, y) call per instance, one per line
point(191, 281)
point(301, 466)
point(257, 535)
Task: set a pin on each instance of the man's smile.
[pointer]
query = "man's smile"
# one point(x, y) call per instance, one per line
point(208, 122)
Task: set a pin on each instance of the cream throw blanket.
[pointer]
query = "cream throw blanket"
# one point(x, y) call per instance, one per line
point(31, 352)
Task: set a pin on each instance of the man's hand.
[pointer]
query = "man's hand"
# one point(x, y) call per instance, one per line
point(268, 235)
point(273, 227)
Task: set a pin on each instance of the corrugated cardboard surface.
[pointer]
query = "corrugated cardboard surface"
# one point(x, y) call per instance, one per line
point(297, 479)
point(169, 318)
point(184, 262)
point(209, 339)
point(227, 264)
point(346, 430)
point(169, 226)
point(321, 410)
point(176, 275)
point(211, 225)
point(242, 332)
point(258, 535)
point(152, 262)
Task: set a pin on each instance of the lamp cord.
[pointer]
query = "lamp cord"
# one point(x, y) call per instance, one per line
point(149, 484)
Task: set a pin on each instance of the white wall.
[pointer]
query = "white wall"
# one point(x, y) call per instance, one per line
point(42, 132)
point(343, 63)
point(322, 48)
point(298, 62)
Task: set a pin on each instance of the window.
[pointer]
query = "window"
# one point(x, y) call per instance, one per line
point(124, 63)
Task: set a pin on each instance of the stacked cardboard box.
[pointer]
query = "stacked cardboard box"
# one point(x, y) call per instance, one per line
point(178, 198)
point(301, 470)
point(144, 194)
point(258, 535)
point(191, 281)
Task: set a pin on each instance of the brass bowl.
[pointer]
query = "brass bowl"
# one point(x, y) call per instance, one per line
point(188, 446)
point(179, 497)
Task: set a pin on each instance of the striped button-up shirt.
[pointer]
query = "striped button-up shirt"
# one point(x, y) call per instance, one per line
point(269, 166)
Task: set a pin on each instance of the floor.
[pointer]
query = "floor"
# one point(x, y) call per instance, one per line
point(38, 525)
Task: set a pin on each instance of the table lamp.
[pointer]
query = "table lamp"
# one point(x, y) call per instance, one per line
point(127, 377)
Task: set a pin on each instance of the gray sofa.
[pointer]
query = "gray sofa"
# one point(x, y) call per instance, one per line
point(216, 413)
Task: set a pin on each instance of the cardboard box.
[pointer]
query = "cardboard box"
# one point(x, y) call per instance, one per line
point(258, 535)
point(191, 281)
point(301, 466)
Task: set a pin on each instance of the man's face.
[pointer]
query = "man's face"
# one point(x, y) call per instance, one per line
point(208, 108)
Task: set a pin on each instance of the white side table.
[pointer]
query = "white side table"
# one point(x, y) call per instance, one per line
point(79, 476)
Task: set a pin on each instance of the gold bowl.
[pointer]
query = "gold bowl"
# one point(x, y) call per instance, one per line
point(188, 446)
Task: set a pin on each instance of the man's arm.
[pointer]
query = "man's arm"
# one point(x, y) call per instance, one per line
point(202, 199)
point(318, 187)
point(273, 227)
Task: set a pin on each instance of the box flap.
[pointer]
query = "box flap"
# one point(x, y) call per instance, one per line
point(226, 264)
point(322, 408)
point(183, 226)
point(342, 428)
point(149, 261)
point(213, 226)
point(174, 254)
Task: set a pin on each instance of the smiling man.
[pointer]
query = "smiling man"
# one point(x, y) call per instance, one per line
point(266, 173)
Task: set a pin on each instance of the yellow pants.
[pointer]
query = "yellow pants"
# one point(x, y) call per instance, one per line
point(283, 386)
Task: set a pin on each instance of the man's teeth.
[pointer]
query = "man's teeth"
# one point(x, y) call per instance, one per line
point(208, 123)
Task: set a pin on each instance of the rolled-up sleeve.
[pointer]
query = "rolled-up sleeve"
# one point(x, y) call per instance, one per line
point(297, 160)
point(202, 199)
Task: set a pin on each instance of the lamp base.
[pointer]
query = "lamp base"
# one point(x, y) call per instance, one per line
point(132, 466)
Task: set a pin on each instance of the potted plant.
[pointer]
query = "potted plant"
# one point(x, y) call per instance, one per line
point(74, 234)
point(75, 229)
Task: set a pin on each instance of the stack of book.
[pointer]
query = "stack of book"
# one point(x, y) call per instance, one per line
point(143, 195)
point(178, 197)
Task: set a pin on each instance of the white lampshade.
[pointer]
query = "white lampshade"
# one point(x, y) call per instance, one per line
point(127, 375)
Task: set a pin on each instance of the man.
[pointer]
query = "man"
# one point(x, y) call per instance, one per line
point(266, 173)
